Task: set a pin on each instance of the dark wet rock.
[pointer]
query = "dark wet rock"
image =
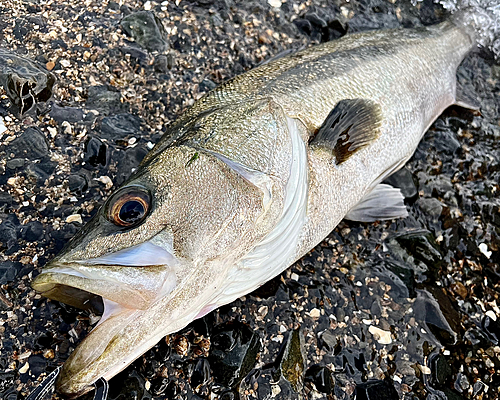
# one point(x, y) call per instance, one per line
point(25, 83)
point(403, 179)
point(441, 371)
point(136, 54)
point(164, 63)
point(31, 144)
point(102, 98)
point(492, 328)
point(70, 114)
point(95, 152)
point(129, 162)
point(15, 163)
point(146, 29)
point(431, 206)
point(233, 352)
point(376, 390)
point(41, 171)
point(128, 385)
point(329, 340)
point(422, 246)
point(5, 199)
point(291, 362)
point(207, 85)
point(428, 311)
point(201, 373)
point(120, 126)
point(8, 271)
point(32, 231)
point(77, 184)
point(9, 231)
point(321, 377)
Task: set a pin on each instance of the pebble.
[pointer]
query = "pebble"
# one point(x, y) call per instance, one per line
point(32, 144)
point(120, 126)
point(95, 152)
point(74, 218)
point(146, 29)
point(381, 336)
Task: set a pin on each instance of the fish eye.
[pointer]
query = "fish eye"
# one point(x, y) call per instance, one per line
point(129, 207)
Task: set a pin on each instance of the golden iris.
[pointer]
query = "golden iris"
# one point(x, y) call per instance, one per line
point(128, 208)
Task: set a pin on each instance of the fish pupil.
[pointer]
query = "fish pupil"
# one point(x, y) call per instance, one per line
point(132, 211)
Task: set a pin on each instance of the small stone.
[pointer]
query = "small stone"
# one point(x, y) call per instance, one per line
point(381, 336)
point(24, 368)
point(483, 248)
point(77, 184)
point(68, 114)
point(431, 206)
point(146, 29)
point(32, 231)
point(315, 313)
point(322, 378)
point(106, 180)
point(274, 3)
point(32, 144)
point(74, 218)
point(95, 152)
point(120, 126)
point(375, 389)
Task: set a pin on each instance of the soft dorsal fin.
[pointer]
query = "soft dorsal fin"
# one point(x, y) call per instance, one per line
point(383, 202)
point(350, 126)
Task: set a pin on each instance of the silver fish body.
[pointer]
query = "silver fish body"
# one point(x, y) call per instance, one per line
point(241, 186)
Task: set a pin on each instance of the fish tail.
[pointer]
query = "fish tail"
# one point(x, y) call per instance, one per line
point(480, 19)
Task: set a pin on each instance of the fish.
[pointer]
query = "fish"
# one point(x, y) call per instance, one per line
point(246, 182)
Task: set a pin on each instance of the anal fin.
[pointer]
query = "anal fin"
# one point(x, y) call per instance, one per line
point(383, 202)
point(350, 126)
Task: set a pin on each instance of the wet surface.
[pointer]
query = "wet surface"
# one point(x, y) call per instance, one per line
point(399, 309)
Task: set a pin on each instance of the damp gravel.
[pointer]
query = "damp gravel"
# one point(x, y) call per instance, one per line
point(398, 309)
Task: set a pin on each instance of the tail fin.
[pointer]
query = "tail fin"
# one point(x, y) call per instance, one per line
point(480, 19)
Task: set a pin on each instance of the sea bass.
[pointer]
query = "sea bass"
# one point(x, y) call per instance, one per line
point(247, 181)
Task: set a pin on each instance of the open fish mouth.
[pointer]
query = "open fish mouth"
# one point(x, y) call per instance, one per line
point(127, 292)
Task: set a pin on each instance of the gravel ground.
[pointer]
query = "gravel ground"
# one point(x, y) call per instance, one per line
point(401, 309)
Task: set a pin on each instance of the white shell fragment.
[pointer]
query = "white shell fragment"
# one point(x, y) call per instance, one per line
point(381, 336)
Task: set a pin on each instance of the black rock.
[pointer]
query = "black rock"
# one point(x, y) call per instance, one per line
point(146, 29)
point(41, 171)
point(120, 126)
point(376, 390)
point(431, 206)
point(95, 152)
point(163, 63)
point(441, 370)
point(427, 311)
point(32, 231)
point(9, 271)
point(292, 360)
point(140, 56)
point(70, 114)
point(321, 377)
point(304, 25)
point(403, 179)
point(77, 184)
point(201, 373)
point(101, 97)
point(31, 144)
point(5, 199)
point(492, 328)
point(15, 163)
point(8, 233)
point(25, 83)
point(38, 364)
point(207, 85)
point(233, 352)
point(422, 246)
point(128, 162)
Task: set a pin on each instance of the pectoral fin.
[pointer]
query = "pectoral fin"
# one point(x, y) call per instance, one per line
point(383, 202)
point(350, 126)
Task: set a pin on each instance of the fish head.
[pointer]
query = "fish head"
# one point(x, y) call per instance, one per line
point(154, 253)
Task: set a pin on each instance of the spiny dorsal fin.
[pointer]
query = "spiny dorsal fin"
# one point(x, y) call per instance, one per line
point(383, 202)
point(350, 126)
